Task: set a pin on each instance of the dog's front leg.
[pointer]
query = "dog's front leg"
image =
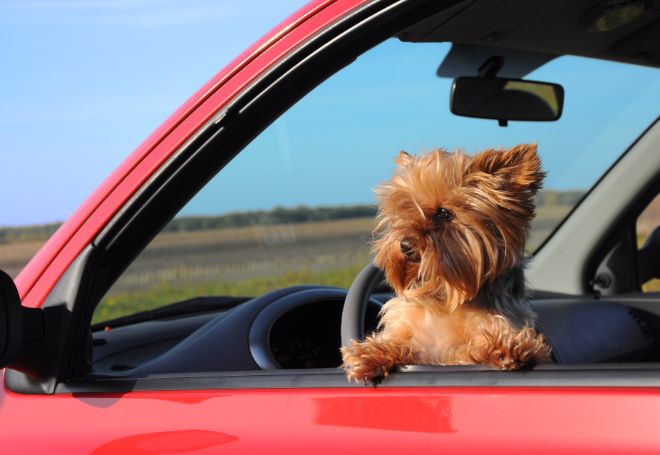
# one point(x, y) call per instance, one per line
point(372, 359)
point(507, 348)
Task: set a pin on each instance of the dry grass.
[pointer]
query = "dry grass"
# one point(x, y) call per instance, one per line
point(236, 261)
point(649, 219)
point(546, 220)
point(14, 256)
point(240, 261)
point(267, 234)
point(247, 253)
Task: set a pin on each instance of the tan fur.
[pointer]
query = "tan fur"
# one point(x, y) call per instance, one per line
point(465, 221)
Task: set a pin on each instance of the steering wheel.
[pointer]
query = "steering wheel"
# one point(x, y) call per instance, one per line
point(355, 306)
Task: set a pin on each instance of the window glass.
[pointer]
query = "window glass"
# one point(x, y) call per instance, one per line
point(647, 222)
point(297, 207)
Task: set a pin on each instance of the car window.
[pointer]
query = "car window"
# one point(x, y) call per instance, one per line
point(296, 206)
point(647, 222)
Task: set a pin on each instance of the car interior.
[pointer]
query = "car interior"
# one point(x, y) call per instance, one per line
point(586, 283)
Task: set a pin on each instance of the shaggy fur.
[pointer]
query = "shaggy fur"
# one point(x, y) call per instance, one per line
point(452, 236)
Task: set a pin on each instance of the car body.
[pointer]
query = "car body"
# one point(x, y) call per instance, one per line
point(55, 400)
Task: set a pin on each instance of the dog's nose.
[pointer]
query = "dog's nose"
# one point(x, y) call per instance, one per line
point(406, 247)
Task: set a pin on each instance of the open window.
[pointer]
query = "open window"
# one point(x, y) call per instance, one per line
point(295, 208)
point(235, 258)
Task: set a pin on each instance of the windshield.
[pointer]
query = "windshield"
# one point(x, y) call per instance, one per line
point(390, 99)
point(296, 206)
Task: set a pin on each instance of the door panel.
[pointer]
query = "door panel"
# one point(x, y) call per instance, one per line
point(356, 420)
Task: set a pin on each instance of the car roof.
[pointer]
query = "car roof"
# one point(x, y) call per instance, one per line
point(556, 27)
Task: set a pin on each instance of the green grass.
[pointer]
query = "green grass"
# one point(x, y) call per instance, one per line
point(122, 304)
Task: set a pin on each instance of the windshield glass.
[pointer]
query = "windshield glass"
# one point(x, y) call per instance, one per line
point(390, 99)
point(296, 206)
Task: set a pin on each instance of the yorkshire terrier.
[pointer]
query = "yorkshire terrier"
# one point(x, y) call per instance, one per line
point(452, 238)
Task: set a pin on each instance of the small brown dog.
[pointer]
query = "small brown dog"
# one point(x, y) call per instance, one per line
point(453, 235)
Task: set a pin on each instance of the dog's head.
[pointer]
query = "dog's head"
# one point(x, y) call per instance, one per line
point(450, 222)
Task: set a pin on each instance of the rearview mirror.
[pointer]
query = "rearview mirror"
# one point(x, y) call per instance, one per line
point(506, 99)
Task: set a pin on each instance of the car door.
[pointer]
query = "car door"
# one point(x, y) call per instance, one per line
point(70, 407)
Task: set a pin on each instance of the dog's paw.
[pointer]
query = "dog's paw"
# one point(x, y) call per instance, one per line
point(361, 366)
point(366, 362)
point(513, 350)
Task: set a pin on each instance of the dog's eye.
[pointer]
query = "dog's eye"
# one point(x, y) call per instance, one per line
point(443, 214)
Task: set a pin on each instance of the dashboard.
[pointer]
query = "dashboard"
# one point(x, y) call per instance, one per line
point(299, 328)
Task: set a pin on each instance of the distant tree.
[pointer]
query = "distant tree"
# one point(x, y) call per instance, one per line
point(278, 215)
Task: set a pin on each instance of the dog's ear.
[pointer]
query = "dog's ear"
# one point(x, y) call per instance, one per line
point(519, 166)
point(404, 159)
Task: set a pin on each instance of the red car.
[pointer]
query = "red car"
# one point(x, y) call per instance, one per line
point(195, 302)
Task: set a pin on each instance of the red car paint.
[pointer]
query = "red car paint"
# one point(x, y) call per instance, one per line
point(363, 420)
point(360, 420)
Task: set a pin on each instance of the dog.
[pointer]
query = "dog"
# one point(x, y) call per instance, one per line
point(450, 239)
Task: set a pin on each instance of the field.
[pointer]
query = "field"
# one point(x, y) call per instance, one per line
point(14, 255)
point(245, 261)
point(249, 252)
point(239, 262)
point(253, 260)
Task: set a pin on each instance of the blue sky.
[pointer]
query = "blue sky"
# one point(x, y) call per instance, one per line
point(340, 141)
point(84, 82)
